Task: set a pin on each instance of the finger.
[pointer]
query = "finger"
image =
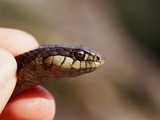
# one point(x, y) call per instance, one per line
point(7, 76)
point(34, 104)
point(16, 41)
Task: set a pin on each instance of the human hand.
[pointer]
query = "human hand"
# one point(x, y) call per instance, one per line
point(33, 104)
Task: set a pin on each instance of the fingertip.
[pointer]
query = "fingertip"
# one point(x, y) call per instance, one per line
point(17, 41)
point(33, 104)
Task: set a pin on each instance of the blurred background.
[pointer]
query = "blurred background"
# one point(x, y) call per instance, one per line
point(126, 32)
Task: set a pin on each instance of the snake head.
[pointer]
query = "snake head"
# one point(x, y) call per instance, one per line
point(73, 61)
point(50, 62)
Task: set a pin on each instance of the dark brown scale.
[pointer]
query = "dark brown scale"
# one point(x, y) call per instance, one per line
point(60, 51)
point(52, 52)
point(44, 53)
point(69, 50)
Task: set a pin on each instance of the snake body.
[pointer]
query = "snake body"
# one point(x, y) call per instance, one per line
point(49, 62)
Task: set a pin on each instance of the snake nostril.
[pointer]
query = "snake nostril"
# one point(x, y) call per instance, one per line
point(98, 58)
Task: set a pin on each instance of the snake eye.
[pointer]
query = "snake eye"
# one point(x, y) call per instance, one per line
point(79, 55)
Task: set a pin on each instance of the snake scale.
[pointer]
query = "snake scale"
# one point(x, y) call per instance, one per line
point(49, 62)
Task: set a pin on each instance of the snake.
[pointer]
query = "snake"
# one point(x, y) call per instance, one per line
point(49, 62)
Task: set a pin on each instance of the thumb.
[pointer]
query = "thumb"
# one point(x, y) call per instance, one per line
point(7, 77)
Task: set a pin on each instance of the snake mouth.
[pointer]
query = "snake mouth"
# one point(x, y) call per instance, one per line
point(70, 67)
point(68, 63)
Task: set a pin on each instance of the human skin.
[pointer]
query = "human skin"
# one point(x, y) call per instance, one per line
point(33, 104)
